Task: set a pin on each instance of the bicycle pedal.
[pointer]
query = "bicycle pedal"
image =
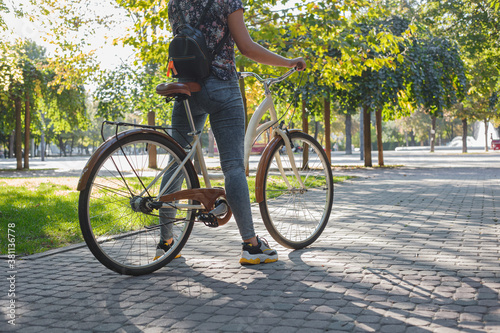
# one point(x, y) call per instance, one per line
point(209, 219)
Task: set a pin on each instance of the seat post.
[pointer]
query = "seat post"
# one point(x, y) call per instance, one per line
point(189, 115)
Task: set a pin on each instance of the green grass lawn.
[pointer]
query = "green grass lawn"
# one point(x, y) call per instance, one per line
point(45, 212)
point(45, 216)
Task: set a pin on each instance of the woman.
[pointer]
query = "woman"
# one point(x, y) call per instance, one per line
point(220, 98)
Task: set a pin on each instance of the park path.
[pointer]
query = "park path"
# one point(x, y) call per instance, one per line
point(409, 249)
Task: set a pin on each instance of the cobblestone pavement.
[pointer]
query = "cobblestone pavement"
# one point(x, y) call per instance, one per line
point(406, 250)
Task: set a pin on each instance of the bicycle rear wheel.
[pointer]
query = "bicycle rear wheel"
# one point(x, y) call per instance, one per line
point(294, 214)
point(117, 225)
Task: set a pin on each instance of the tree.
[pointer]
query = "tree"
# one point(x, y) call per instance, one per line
point(435, 76)
point(34, 90)
point(70, 27)
point(11, 75)
point(475, 26)
point(18, 91)
point(376, 88)
point(484, 78)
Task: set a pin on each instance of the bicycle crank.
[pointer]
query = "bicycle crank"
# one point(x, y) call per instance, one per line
point(217, 211)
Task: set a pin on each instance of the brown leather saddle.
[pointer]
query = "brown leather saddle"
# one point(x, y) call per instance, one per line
point(177, 89)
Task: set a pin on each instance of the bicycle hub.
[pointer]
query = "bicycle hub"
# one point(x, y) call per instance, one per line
point(141, 205)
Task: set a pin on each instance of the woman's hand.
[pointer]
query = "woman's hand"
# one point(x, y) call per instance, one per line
point(298, 63)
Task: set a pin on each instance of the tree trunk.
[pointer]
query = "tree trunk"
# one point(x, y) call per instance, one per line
point(486, 123)
point(464, 135)
point(380, 145)
point(72, 145)
point(33, 148)
point(305, 129)
point(348, 134)
point(361, 136)
point(27, 120)
point(18, 140)
point(62, 146)
point(328, 137)
point(316, 130)
point(151, 149)
point(433, 133)
point(42, 146)
point(367, 137)
point(42, 143)
point(412, 138)
point(12, 140)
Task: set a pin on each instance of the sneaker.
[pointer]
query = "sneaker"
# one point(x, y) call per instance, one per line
point(262, 253)
point(161, 249)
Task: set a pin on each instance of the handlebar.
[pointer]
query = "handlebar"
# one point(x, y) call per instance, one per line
point(269, 81)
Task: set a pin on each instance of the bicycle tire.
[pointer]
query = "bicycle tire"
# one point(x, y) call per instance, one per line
point(121, 238)
point(296, 217)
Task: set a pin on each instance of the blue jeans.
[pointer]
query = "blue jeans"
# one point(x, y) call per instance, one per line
point(222, 101)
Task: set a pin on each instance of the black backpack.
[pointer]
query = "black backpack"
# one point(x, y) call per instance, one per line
point(189, 57)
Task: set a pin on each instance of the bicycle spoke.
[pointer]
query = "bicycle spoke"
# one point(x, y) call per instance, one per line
point(112, 190)
point(119, 233)
point(296, 216)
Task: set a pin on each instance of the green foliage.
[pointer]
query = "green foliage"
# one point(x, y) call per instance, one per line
point(21, 78)
point(435, 73)
point(317, 30)
point(150, 33)
point(475, 26)
point(130, 90)
point(452, 18)
point(10, 70)
point(70, 27)
point(63, 105)
point(494, 4)
point(377, 87)
point(3, 9)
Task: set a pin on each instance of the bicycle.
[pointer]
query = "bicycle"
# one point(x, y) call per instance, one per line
point(122, 195)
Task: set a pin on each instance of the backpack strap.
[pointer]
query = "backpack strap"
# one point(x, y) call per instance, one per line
point(205, 10)
point(202, 17)
point(221, 43)
point(178, 8)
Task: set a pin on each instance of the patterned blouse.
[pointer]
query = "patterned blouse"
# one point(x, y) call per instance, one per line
point(213, 28)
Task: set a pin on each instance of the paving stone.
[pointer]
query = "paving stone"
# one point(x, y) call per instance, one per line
point(341, 326)
point(407, 250)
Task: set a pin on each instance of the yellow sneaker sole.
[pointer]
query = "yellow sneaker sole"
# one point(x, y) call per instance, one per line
point(257, 261)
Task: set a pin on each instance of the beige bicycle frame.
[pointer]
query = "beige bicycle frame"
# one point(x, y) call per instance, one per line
point(255, 129)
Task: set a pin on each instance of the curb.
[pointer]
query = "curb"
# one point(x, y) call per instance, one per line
point(49, 252)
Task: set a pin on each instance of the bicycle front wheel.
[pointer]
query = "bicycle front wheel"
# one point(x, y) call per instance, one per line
point(297, 203)
point(116, 219)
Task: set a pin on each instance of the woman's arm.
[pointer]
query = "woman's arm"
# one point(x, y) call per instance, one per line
point(254, 51)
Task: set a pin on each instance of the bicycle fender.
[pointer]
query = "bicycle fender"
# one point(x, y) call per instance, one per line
point(261, 173)
point(84, 177)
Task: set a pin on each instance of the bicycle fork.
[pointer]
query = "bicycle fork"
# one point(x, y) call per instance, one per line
point(286, 139)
